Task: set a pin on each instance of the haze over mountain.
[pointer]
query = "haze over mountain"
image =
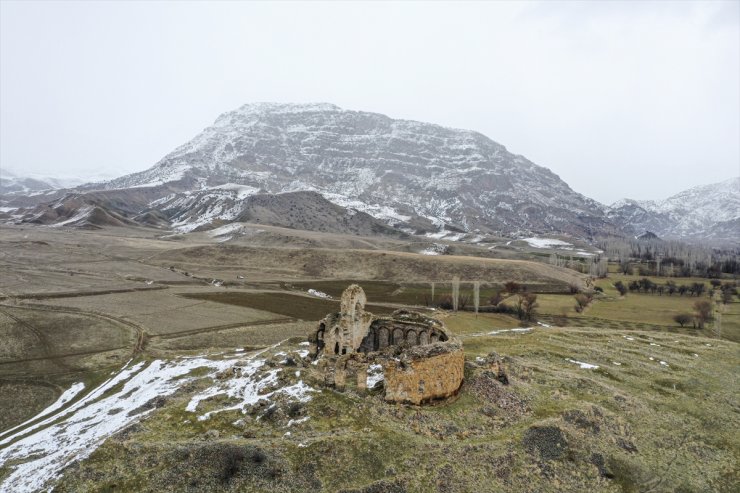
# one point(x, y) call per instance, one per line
point(395, 169)
point(703, 212)
point(417, 177)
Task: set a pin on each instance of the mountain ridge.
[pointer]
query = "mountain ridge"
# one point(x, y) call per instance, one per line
point(417, 177)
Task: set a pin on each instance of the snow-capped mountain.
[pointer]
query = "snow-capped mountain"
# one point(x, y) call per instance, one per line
point(14, 183)
point(703, 212)
point(414, 175)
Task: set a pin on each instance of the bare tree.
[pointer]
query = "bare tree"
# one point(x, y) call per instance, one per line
point(703, 312)
point(526, 306)
point(682, 319)
point(455, 292)
point(476, 296)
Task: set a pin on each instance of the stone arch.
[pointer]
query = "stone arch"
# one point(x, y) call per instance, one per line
point(320, 336)
point(423, 337)
point(383, 337)
point(434, 337)
point(397, 336)
point(336, 348)
point(353, 301)
point(411, 337)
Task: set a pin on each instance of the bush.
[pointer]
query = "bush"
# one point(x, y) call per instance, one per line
point(445, 302)
point(703, 312)
point(619, 285)
point(512, 287)
point(682, 319)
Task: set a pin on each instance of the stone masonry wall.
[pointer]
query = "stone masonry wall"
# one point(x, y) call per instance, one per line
point(425, 378)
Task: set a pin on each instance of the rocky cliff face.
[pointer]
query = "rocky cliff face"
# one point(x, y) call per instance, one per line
point(411, 174)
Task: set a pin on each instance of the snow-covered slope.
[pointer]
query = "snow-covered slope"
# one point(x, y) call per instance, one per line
point(408, 173)
point(708, 211)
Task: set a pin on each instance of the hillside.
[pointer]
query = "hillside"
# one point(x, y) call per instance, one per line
point(396, 170)
point(703, 212)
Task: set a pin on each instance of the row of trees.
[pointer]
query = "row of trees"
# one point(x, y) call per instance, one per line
point(656, 257)
point(645, 285)
point(702, 315)
point(524, 306)
point(593, 266)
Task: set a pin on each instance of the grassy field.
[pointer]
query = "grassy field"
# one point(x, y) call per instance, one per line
point(632, 424)
point(286, 304)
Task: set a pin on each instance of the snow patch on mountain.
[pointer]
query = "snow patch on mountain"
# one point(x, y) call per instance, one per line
point(704, 211)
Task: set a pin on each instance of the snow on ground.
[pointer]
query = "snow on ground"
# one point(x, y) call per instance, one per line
point(446, 235)
point(81, 214)
point(63, 399)
point(319, 294)
point(242, 191)
point(520, 330)
point(227, 229)
point(248, 390)
point(38, 453)
point(374, 375)
point(585, 366)
point(547, 243)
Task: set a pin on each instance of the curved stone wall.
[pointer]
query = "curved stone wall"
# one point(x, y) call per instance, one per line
point(433, 372)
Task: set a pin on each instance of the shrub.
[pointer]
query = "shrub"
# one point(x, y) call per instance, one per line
point(445, 302)
point(512, 287)
point(703, 312)
point(619, 285)
point(527, 306)
point(682, 319)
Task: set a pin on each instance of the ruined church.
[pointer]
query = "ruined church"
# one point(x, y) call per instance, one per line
point(419, 358)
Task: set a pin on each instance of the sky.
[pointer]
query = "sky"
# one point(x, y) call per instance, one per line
point(620, 99)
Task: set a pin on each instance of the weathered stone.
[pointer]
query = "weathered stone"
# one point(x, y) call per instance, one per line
point(421, 360)
point(423, 379)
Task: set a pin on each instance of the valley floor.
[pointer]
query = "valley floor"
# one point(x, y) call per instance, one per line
point(132, 362)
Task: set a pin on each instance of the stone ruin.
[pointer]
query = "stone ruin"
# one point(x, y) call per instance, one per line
point(419, 359)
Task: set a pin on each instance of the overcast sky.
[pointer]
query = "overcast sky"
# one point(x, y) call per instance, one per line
point(632, 98)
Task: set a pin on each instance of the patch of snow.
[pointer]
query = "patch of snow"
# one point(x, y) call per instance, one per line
point(304, 343)
point(83, 213)
point(519, 330)
point(297, 421)
point(585, 366)
point(319, 294)
point(629, 338)
point(374, 375)
point(616, 363)
point(39, 452)
point(63, 399)
point(546, 243)
point(664, 363)
point(543, 325)
point(78, 430)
